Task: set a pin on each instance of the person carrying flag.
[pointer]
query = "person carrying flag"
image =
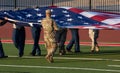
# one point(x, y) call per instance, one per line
point(94, 34)
point(2, 54)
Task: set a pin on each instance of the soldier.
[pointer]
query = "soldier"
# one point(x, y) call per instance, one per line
point(2, 54)
point(93, 34)
point(49, 27)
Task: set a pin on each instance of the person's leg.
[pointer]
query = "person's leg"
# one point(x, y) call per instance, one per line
point(91, 35)
point(36, 36)
point(38, 50)
point(62, 43)
point(69, 46)
point(2, 54)
point(21, 41)
point(15, 37)
point(52, 50)
point(47, 46)
point(96, 45)
point(61, 48)
point(1, 51)
point(72, 41)
point(33, 30)
point(58, 37)
point(95, 39)
point(92, 43)
point(77, 45)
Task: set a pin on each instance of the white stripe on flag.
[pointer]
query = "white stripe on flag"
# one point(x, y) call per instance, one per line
point(65, 7)
point(89, 14)
point(112, 21)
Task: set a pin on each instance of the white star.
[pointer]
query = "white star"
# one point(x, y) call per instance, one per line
point(53, 15)
point(56, 20)
point(5, 13)
point(67, 15)
point(70, 19)
point(19, 17)
point(86, 23)
point(37, 9)
point(39, 14)
point(79, 17)
point(28, 15)
point(65, 23)
point(51, 10)
point(8, 14)
point(64, 11)
point(61, 21)
point(39, 20)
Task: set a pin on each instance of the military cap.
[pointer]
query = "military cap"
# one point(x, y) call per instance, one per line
point(48, 11)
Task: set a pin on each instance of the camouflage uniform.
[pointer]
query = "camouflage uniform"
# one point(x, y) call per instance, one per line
point(49, 27)
point(93, 34)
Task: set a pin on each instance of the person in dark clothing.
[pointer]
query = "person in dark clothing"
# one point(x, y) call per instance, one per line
point(2, 54)
point(19, 38)
point(61, 38)
point(74, 41)
point(36, 36)
point(3, 22)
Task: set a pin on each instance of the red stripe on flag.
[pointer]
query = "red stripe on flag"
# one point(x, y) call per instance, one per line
point(101, 17)
point(75, 10)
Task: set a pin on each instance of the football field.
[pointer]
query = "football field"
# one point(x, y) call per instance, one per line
point(106, 61)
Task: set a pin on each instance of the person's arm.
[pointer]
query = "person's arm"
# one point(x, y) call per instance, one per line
point(10, 20)
point(3, 22)
point(55, 26)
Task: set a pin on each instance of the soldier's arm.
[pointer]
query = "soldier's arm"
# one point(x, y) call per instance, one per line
point(42, 23)
point(55, 26)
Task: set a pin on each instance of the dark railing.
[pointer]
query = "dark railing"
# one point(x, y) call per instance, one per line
point(102, 5)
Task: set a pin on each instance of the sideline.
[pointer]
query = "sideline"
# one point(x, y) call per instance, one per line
point(67, 68)
point(81, 43)
point(114, 65)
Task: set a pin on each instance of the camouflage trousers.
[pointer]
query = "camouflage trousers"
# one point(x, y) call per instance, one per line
point(51, 47)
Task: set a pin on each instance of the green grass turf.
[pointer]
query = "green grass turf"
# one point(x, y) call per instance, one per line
point(85, 62)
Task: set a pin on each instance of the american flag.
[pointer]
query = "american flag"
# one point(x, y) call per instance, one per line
point(65, 17)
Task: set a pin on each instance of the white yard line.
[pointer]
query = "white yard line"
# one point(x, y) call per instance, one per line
point(114, 65)
point(66, 68)
point(99, 59)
